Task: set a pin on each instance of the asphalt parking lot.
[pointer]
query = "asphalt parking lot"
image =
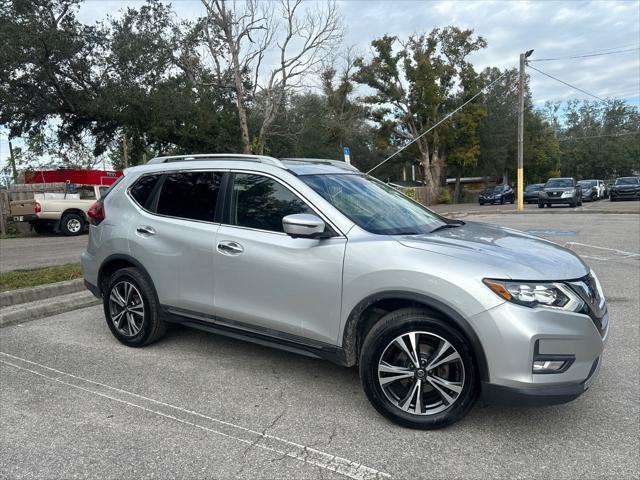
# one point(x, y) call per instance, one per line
point(76, 403)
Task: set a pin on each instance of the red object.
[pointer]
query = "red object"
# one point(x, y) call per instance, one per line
point(80, 177)
point(96, 211)
point(37, 208)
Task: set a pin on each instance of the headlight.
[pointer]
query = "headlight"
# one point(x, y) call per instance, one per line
point(534, 294)
point(567, 194)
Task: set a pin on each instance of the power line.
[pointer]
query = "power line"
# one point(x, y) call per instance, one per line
point(585, 56)
point(599, 136)
point(449, 115)
point(567, 84)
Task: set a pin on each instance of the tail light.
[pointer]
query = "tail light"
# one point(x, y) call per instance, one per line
point(96, 212)
point(37, 208)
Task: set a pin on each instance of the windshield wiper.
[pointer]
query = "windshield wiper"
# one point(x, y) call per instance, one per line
point(446, 225)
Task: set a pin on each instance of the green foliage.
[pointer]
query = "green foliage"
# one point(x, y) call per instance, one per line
point(444, 196)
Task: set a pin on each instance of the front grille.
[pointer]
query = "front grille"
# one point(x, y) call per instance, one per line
point(594, 306)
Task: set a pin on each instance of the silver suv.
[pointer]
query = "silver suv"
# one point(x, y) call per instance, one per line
point(317, 258)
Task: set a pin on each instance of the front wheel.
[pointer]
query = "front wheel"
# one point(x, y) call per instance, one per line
point(540, 205)
point(417, 371)
point(131, 309)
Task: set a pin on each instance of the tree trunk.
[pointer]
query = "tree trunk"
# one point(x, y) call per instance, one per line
point(505, 177)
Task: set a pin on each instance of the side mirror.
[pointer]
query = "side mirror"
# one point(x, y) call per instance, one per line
point(304, 225)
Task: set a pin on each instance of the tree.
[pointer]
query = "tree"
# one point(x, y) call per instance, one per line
point(413, 84)
point(139, 74)
point(241, 35)
point(462, 142)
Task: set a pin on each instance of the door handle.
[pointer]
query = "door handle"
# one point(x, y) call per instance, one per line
point(230, 248)
point(145, 230)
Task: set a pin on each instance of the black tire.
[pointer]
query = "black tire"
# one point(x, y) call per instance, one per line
point(403, 321)
point(573, 204)
point(580, 202)
point(481, 203)
point(613, 199)
point(513, 200)
point(502, 201)
point(152, 326)
point(72, 224)
point(540, 205)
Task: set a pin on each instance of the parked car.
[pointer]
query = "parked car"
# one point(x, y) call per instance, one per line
point(532, 192)
point(590, 192)
point(314, 257)
point(564, 191)
point(498, 194)
point(58, 212)
point(625, 188)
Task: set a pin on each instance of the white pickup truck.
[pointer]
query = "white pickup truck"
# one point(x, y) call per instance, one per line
point(58, 212)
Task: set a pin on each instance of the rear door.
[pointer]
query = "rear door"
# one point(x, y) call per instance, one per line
point(268, 281)
point(174, 236)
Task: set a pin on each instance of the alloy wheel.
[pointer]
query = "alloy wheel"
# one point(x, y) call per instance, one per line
point(126, 308)
point(421, 373)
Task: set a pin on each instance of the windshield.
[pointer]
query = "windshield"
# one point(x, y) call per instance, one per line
point(627, 180)
point(372, 205)
point(559, 183)
point(533, 188)
point(587, 184)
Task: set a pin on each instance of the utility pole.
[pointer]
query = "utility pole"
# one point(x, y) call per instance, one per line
point(520, 185)
point(125, 150)
point(12, 161)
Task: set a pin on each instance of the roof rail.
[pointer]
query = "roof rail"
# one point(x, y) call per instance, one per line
point(219, 156)
point(323, 161)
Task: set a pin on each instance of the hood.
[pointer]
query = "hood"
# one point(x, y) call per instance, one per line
point(517, 254)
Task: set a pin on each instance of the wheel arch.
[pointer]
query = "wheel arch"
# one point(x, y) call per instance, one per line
point(116, 262)
point(364, 315)
point(77, 211)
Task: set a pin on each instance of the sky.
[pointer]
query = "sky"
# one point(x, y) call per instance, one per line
point(552, 29)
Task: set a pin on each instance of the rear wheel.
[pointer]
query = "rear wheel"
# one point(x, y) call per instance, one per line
point(131, 309)
point(72, 224)
point(417, 371)
point(540, 205)
point(573, 204)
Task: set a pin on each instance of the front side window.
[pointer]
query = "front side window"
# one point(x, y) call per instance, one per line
point(372, 205)
point(260, 202)
point(190, 195)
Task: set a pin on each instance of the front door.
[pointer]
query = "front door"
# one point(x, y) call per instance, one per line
point(268, 281)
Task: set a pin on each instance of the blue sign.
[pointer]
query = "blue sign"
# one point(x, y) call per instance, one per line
point(345, 150)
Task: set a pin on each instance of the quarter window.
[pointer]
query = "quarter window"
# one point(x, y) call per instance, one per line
point(190, 195)
point(141, 190)
point(260, 202)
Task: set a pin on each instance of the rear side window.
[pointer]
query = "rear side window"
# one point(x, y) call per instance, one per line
point(141, 190)
point(190, 195)
point(260, 202)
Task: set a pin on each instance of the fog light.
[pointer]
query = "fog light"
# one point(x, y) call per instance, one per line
point(548, 366)
point(543, 363)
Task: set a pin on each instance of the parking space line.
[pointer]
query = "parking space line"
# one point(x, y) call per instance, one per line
point(615, 250)
point(229, 430)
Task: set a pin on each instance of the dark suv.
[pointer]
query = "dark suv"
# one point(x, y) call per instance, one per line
point(564, 191)
point(625, 187)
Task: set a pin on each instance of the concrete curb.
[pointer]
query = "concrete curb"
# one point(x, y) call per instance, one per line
point(33, 294)
point(25, 312)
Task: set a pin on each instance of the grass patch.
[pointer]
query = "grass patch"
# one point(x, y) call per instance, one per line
point(39, 276)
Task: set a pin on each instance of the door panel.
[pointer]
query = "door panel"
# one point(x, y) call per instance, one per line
point(179, 258)
point(280, 283)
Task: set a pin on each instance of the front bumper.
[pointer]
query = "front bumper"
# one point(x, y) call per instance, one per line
point(509, 334)
point(632, 195)
point(558, 200)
